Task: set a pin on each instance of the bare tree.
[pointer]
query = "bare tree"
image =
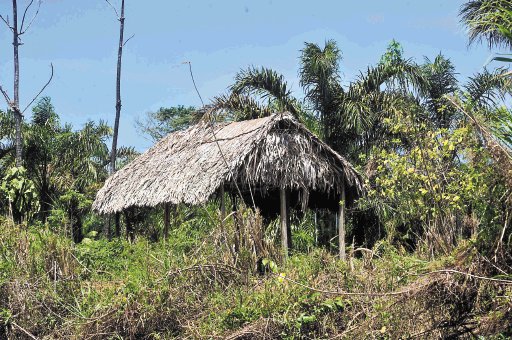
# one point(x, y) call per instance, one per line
point(14, 104)
point(122, 42)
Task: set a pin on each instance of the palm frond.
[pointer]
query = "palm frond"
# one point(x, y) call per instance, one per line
point(242, 107)
point(404, 75)
point(489, 20)
point(267, 84)
point(487, 88)
point(365, 102)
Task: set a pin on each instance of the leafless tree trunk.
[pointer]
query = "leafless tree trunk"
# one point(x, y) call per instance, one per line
point(113, 154)
point(16, 101)
point(14, 104)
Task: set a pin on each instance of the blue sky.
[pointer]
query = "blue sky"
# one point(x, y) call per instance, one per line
point(219, 38)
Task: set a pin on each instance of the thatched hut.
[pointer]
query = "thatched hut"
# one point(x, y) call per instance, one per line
point(262, 157)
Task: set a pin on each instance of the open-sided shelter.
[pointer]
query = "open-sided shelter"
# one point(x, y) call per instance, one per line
point(264, 156)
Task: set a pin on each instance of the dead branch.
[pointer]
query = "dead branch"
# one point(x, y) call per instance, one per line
point(25, 14)
point(42, 89)
point(473, 276)
point(401, 292)
point(130, 38)
point(6, 96)
point(217, 267)
point(6, 22)
point(22, 31)
point(114, 8)
point(211, 121)
point(193, 80)
point(487, 134)
point(341, 293)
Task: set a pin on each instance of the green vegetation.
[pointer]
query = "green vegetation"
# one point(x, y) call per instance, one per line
point(166, 120)
point(429, 241)
point(185, 288)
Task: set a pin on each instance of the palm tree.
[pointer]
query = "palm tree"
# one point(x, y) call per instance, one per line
point(80, 169)
point(441, 80)
point(40, 151)
point(489, 20)
point(373, 96)
point(320, 79)
point(341, 116)
point(486, 89)
point(319, 76)
point(241, 107)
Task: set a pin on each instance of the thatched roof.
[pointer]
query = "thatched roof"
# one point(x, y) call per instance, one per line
point(190, 166)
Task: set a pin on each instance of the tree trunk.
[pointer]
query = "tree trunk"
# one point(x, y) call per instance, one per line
point(76, 223)
point(113, 154)
point(44, 201)
point(284, 223)
point(16, 100)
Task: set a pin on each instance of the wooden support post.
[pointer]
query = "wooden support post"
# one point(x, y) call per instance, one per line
point(107, 231)
point(167, 220)
point(341, 224)
point(284, 224)
point(117, 222)
point(288, 223)
point(130, 231)
point(316, 230)
point(222, 208)
point(236, 223)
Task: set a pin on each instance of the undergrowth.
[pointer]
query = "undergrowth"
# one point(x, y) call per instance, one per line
point(191, 286)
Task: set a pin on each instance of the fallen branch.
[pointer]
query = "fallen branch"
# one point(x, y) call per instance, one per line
point(395, 293)
point(453, 271)
point(341, 293)
point(32, 336)
point(218, 266)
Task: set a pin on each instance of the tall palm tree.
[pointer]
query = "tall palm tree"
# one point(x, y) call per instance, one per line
point(320, 79)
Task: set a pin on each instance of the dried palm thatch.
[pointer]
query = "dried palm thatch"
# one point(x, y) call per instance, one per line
point(190, 166)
